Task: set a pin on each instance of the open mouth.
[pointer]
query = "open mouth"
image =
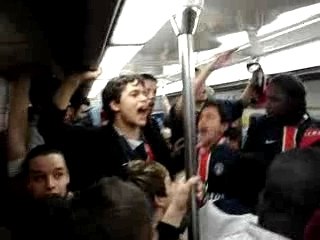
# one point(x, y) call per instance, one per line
point(142, 110)
point(205, 133)
point(203, 130)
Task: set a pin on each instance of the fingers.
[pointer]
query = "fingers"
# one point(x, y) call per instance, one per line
point(84, 76)
point(199, 145)
point(229, 52)
point(193, 180)
point(196, 181)
point(199, 190)
point(233, 50)
point(222, 59)
point(90, 75)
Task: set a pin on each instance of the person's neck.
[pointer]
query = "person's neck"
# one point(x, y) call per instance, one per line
point(129, 131)
point(293, 120)
point(208, 145)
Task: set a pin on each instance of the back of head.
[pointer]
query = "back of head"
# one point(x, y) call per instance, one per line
point(42, 219)
point(149, 177)
point(111, 210)
point(292, 192)
point(147, 76)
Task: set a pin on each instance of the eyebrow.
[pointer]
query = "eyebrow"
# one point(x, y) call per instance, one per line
point(135, 91)
point(39, 171)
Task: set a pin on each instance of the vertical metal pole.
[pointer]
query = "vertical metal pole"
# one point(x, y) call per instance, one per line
point(184, 24)
point(186, 59)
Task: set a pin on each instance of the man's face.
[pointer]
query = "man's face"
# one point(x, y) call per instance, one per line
point(151, 91)
point(132, 109)
point(48, 175)
point(69, 115)
point(277, 104)
point(82, 112)
point(210, 127)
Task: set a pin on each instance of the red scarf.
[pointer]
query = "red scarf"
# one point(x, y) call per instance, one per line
point(149, 152)
point(204, 156)
point(204, 160)
point(289, 138)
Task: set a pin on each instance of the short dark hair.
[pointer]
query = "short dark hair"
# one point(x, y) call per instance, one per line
point(49, 215)
point(293, 88)
point(234, 134)
point(211, 102)
point(40, 150)
point(114, 89)
point(77, 102)
point(147, 76)
point(292, 192)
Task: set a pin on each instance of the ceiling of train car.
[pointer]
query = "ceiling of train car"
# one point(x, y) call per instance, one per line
point(223, 17)
point(35, 32)
point(15, 44)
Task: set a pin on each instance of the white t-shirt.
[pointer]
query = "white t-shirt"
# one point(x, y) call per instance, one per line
point(215, 224)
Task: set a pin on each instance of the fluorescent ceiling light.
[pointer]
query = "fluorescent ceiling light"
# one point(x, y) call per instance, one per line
point(206, 55)
point(283, 21)
point(290, 18)
point(172, 88)
point(224, 75)
point(301, 57)
point(171, 69)
point(233, 40)
point(229, 74)
point(140, 20)
point(96, 88)
point(296, 58)
point(291, 29)
point(199, 57)
point(112, 63)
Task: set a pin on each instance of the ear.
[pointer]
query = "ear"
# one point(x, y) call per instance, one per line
point(68, 178)
point(160, 202)
point(115, 106)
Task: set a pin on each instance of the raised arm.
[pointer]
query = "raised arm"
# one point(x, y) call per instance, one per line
point(62, 97)
point(51, 123)
point(199, 83)
point(219, 62)
point(18, 118)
